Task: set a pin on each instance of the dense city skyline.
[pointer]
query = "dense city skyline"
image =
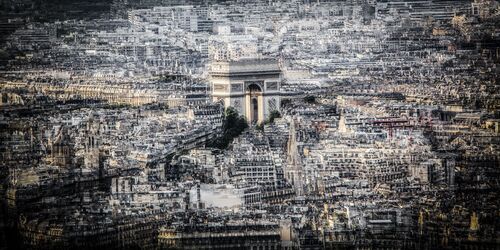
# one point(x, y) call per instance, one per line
point(291, 124)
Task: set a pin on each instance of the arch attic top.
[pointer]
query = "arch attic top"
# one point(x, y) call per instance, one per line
point(245, 67)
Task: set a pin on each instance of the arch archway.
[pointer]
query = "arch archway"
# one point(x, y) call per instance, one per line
point(254, 110)
point(254, 88)
point(254, 103)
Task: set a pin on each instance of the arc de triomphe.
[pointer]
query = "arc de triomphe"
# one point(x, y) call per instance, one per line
point(252, 86)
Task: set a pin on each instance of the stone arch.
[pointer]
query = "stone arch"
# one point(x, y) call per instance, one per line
point(254, 87)
point(254, 109)
point(254, 102)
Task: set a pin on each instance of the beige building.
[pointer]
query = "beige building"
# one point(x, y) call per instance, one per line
point(252, 86)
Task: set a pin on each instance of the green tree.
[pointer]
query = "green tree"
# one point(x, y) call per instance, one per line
point(234, 125)
point(274, 114)
point(310, 99)
point(259, 127)
point(285, 102)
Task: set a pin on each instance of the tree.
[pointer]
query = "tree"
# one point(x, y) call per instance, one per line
point(234, 125)
point(259, 127)
point(310, 99)
point(274, 114)
point(285, 102)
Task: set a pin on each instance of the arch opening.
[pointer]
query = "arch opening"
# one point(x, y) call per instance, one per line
point(255, 110)
point(254, 95)
point(254, 88)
